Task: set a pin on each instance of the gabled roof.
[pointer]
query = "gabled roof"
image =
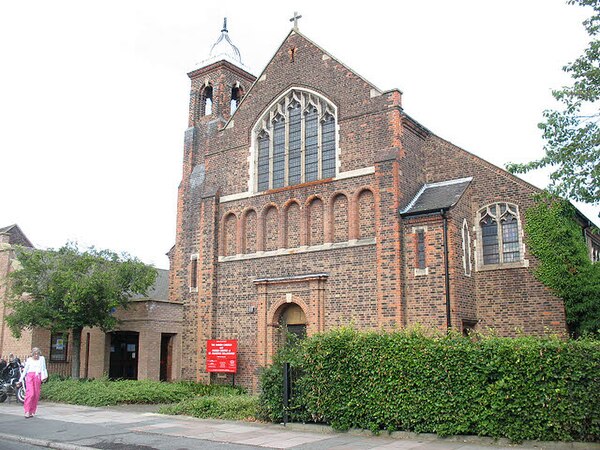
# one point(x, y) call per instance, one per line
point(294, 31)
point(437, 196)
point(16, 236)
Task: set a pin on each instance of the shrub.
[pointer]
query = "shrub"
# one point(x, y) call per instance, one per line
point(270, 405)
point(103, 392)
point(523, 388)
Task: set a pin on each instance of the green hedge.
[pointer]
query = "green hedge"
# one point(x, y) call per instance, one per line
point(523, 388)
point(103, 392)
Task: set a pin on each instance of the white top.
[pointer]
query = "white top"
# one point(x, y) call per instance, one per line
point(37, 366)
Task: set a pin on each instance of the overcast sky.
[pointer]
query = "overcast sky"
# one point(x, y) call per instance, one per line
point(94, 94)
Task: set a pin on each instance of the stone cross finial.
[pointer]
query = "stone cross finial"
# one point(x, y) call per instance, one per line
point(295, 20)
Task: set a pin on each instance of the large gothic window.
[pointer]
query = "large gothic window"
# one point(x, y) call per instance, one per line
point(295, 141)
point(499, 234)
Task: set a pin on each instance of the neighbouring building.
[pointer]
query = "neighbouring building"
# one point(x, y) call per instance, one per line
point(311, 199)
point(145, 345)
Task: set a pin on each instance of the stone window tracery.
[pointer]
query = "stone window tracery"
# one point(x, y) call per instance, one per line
point(295, 141)
point(499, 235)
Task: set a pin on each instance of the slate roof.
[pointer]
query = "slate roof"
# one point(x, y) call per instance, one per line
point(160, 289)
point(437, 196)
point(17, 237)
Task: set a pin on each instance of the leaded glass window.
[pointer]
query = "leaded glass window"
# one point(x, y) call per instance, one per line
point(500, 234)
point(278, 178)
point(263, 161)
point(295, 141)
point(421, 249)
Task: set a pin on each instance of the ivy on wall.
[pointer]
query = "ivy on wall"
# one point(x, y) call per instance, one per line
point(556, 239)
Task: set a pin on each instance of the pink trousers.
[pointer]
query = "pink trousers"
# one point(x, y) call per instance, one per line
point(33, 382)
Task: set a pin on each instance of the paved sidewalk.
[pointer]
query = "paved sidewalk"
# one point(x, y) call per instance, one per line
point(135, 427)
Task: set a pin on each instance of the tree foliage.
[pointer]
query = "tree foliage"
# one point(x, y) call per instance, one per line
point(555, 238)
point(572, 133)
point(69, 289)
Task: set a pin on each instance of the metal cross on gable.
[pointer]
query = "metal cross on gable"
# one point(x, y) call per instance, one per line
point(295, 20)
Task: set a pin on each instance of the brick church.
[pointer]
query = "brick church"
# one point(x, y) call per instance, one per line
point(311, 199)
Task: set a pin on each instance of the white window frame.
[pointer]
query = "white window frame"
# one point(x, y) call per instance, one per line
point(513, 209)
point(466, 244)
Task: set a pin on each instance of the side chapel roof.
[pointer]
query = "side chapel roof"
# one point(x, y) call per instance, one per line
point(434, 197)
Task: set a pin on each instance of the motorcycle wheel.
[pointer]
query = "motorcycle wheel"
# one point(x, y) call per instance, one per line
point(3, 396)
point(21, 394)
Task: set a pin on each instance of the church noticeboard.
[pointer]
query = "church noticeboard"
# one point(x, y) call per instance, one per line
point(221, 356)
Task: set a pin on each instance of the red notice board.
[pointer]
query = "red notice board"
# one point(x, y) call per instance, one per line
point(221, 355)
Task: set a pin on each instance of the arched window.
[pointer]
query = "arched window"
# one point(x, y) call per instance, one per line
point(499, 234)
point(295, 141)
point(236, 96)
point(207, 100)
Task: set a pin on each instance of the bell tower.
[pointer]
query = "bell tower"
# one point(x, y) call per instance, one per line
point(217, 86)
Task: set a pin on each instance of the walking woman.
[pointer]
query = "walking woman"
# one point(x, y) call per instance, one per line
point(33, 373)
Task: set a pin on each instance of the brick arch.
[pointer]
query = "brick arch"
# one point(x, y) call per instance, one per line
point(315, 220)
point(339, 217)
point(362, 217)
point(270, 224)
point(292, 224)
point(277, 308)
point(205, 92)
point(249, 231)
point(273, 319)
point(229, 225)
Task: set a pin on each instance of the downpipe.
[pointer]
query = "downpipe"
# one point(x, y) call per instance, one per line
point(444, 215)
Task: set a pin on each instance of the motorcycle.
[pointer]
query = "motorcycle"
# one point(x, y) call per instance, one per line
point(10, 374)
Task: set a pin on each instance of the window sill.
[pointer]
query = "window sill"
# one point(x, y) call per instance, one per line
point(511, 265)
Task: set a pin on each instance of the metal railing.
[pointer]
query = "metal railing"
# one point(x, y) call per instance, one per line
point(62, 368)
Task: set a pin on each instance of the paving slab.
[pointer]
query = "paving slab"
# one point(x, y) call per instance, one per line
point(71, 427)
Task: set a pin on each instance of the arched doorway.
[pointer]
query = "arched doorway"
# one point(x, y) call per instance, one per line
point(292, 322)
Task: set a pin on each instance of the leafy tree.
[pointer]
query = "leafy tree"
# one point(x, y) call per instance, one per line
point(572, 133)
point(555, 238)
point(69, 289)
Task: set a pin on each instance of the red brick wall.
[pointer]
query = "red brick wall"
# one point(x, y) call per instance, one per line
point(425, 293)
point(315, 222)
point(342, 237)
point(508, 300)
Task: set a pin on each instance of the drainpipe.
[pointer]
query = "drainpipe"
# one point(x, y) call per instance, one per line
point(446, 269)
